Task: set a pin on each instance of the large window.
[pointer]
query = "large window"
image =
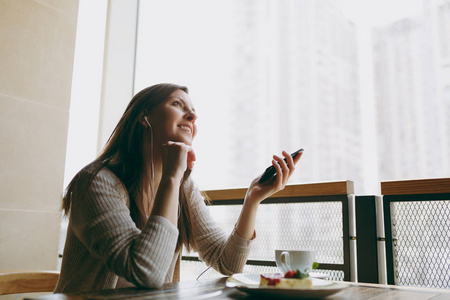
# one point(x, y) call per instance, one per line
point(361, 85)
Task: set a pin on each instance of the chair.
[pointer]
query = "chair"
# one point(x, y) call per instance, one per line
point(20, 281)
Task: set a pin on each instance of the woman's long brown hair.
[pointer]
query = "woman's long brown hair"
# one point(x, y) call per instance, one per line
point(123, 155)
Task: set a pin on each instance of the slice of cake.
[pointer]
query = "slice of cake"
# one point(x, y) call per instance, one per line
point(288, 280)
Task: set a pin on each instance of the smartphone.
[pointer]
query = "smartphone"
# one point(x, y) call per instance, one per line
point(270, 171)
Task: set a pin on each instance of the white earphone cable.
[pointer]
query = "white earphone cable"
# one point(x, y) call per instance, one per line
point(152, 183)
point(218, 257)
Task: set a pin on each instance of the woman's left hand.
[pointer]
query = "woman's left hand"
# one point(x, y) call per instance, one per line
point(257, 192)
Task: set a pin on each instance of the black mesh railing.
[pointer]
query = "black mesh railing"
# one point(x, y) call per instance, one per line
point(421, 243)
point(418, 239)
point(304, 222)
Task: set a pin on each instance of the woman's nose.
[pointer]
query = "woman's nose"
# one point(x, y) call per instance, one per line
point(191, 116)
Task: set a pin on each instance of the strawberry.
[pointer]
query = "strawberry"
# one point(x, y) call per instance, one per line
point(291, 274)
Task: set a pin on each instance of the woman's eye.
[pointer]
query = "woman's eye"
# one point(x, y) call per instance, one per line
point(177, 103)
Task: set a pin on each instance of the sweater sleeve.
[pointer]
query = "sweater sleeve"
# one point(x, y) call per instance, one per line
point(225, 253)
point(102, 222)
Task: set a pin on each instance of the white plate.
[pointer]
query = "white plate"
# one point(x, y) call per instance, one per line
point(249, 283)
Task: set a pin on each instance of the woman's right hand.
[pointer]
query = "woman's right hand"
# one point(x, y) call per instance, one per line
point(177, 157)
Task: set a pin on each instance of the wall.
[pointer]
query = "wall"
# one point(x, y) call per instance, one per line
point(37, 42)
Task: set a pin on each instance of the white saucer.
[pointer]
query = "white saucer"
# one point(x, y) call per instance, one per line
point(249, 283)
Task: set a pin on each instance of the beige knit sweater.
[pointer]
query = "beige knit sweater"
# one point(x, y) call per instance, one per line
point(103, 244)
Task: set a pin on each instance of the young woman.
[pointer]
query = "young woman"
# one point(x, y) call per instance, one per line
point(134, 207)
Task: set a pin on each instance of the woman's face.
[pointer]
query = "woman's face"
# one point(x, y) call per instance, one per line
point(174, 119)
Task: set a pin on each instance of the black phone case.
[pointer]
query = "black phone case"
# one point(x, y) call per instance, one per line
point(270, 171)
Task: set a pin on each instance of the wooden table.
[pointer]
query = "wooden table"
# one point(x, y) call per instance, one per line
point(215, 290)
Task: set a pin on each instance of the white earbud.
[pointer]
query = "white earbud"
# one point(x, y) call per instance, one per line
point(148, 123)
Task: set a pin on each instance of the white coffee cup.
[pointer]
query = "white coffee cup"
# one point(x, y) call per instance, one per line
point(294, 259)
